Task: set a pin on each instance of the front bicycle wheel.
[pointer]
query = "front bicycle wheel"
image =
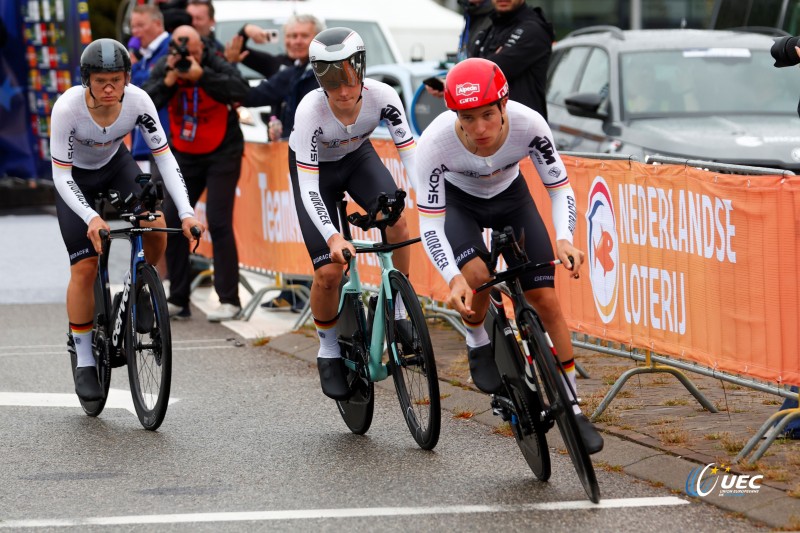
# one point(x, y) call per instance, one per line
point(149, 346)
point(358, 409)
point(412, 364)
point(523, 392)
point(560, 404)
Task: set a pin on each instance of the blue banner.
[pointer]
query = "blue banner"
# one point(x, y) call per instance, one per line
point(18, 146)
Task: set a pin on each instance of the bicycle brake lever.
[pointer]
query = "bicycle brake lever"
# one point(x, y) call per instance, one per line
point(347, 257)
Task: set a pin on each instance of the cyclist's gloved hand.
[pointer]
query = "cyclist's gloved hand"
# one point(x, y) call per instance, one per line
point(565, 250)
point(337, 244)
point(460, 297)
point(187, 224)
point(95, 225)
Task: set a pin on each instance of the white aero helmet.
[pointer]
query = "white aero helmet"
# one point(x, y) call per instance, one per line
point(338, 56)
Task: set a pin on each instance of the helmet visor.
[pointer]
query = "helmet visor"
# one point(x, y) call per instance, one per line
point(331, 75)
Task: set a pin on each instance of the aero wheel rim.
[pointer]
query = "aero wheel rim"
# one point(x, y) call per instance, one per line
point(149, 370)
point(414, 375)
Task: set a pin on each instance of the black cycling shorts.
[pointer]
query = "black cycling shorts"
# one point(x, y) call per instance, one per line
point(361, 174)
point(118, 174)
point(468, 215)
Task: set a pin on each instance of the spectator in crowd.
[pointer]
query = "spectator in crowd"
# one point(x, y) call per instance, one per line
point(266, 64)
point(202, 12)
point(477, 18)
point(202, 91)
point(519, 40)
point(151, 43)
point(175, 14)
point(283, 91)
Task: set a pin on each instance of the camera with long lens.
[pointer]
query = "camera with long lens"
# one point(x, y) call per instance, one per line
point(181, 48)
point(784, 53)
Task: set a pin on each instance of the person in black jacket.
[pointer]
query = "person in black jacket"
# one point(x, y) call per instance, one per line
point(297, 34)
point(284, 89)
point(519, 41)
point(202, 91)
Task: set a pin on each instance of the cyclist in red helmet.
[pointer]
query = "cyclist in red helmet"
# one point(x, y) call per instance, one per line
point(469, 179)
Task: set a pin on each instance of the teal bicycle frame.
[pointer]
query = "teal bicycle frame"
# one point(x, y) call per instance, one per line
point(375, 370)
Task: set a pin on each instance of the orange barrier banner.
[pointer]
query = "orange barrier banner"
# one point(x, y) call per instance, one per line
point(687, 263)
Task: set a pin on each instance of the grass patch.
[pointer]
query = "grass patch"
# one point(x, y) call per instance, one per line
point(261, 341)
point(423, 401)
point(608, 467)
point(664, 420)
point(713, 436)
point(673, 435)
point(676, 401)
point(730, 444)
point(771, 401)
point(443, 396)
point(463, 414)
point(795, 492)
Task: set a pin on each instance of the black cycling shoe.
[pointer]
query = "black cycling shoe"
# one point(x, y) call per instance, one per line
point(333, 377)
point(591, 438)
point(87, 387)
point(484, 370)
point(144, 313)
point(405, 334)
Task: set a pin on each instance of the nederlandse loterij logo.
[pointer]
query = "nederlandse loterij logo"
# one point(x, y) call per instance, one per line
point(602, 243)
point(703, 480)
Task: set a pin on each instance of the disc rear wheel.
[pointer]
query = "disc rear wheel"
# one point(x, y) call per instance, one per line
point(358, 409)
point(523, 393)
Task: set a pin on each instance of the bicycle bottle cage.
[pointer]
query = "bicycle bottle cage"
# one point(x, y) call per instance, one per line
point(390, 207)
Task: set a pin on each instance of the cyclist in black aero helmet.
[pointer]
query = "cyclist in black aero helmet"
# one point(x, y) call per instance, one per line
point(330, 153)
point(104, 55)
point(87, 127)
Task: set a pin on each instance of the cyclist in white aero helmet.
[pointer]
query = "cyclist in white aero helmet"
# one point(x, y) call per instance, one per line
point(330, 153)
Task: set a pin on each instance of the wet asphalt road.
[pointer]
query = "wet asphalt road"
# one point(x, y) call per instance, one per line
point(251, 443)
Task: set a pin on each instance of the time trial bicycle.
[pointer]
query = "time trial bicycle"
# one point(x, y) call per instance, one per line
point(529, 365)
point(405, 339)
point(135, 328)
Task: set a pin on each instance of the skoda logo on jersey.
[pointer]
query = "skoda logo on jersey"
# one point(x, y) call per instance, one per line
point(602, 242)
point(466, 89)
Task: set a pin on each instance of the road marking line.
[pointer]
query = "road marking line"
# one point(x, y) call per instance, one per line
point(174, 349)
point(117, 399)
point(305, 514)
point(188, 341)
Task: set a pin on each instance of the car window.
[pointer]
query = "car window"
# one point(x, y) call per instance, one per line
point(705, 81)
point(564, 74)
point(595, 76)
point(378, 51)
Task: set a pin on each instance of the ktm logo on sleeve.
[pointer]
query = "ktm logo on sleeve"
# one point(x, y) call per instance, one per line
point(545, 148)
point(391, 115)
point(147, 122)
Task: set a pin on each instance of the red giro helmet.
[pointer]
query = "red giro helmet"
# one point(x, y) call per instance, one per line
point(474, 82)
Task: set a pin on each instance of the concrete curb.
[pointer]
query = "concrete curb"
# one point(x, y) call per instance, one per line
point(769, 506)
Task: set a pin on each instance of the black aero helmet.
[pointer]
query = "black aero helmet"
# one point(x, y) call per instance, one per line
point(338, 55)
point(104, 55)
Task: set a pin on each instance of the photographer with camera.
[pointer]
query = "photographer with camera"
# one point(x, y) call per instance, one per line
point(786, 52)
point(201, 91)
